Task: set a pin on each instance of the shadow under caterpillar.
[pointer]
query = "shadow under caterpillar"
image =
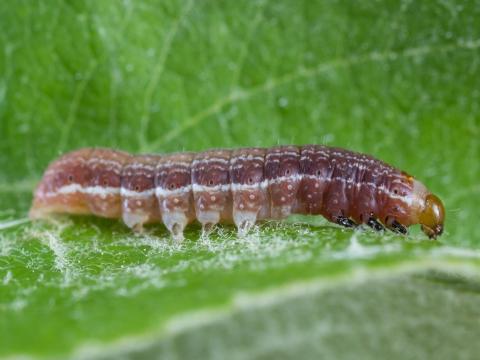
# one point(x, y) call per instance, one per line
point(237, 185)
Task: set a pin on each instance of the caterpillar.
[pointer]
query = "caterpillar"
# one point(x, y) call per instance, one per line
point(241, 186)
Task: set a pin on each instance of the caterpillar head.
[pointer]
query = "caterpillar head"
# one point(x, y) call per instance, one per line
point(432, 216)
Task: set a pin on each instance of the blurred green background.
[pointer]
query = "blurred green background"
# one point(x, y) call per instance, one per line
point(396, 79)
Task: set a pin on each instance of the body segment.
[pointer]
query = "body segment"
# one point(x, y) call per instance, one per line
point(173, 190)
point(137, 191)
point(105, 169)
point(211, 187)
point(248, 187)
point(240, 186)
point(282, 173)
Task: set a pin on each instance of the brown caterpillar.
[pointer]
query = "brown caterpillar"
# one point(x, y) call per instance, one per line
point(239, 185)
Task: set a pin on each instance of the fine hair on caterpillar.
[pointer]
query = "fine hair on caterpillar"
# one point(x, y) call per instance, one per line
point(241, 186)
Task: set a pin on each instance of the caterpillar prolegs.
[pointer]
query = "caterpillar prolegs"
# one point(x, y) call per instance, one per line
point(237, 185)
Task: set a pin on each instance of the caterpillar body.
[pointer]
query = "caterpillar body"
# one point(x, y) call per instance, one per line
point(237, 185)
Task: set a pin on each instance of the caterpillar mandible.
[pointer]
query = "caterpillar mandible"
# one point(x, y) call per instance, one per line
point(237, 185)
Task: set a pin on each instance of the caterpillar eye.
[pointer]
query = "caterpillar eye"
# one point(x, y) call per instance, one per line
point(432, 217)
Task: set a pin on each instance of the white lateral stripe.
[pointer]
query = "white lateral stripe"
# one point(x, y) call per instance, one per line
point(244, 187)
point(162, 192)
point(202, 188)
point(101, 191)
point(138, 194)
point(90, 190)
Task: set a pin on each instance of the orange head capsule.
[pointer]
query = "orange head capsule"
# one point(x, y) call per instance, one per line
point(432, 216)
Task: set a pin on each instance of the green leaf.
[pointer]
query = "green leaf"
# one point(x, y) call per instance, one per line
point(398, 80)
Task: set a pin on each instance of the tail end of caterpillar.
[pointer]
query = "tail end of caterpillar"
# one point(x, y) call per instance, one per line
point(36, 213)
point(42, 206)
point(59, 188)
point(45, 206)
point(432, 217)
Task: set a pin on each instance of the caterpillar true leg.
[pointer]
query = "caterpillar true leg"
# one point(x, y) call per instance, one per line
point(344, 221)
point(375, 224)
point(398, 228)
